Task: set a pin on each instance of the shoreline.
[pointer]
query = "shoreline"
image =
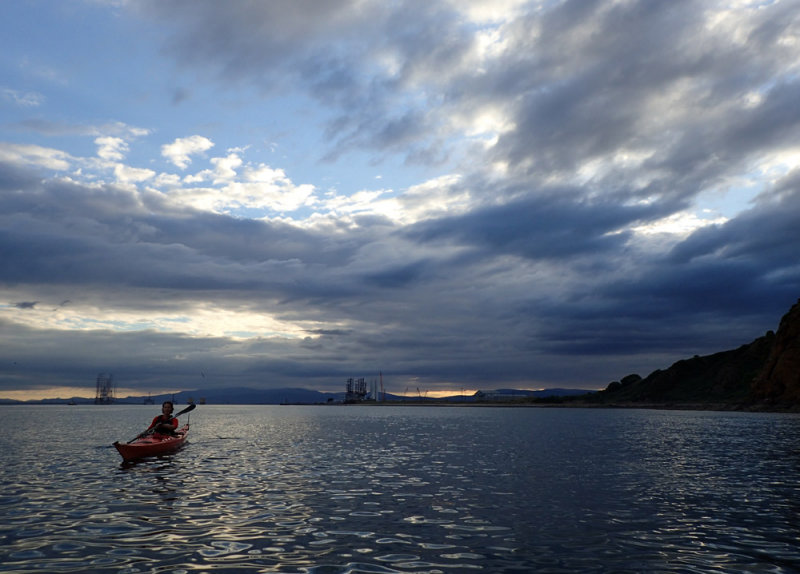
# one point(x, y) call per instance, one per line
point(717, 407)
point(666, 406)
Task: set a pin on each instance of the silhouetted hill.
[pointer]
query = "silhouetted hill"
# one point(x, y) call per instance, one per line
point(723, 377)
point(761, 374)
point(779, 379)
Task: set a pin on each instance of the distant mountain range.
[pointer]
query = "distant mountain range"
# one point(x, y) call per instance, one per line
point(249, 396)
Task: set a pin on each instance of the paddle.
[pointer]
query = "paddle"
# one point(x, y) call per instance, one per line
point(152, 430)
point(186, 410)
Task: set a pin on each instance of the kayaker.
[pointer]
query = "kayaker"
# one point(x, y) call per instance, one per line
point(164, 423)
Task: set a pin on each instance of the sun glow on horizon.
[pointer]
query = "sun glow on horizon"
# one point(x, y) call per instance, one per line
point(53, 393)
point(430, 394)
point(66, 393)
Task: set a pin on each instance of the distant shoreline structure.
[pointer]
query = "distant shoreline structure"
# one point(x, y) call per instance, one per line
point(104, 394)
point(300, 396)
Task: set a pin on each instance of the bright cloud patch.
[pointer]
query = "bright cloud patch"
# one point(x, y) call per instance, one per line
point(260, 187)
point(111, 148)
point(34, 155)
point(179, 151)
point(127, 174)
point(199, 319)
point(678, 224)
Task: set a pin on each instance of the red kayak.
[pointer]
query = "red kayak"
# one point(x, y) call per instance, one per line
point(153, 445)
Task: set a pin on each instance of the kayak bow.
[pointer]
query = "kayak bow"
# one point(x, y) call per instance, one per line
point(152, 445)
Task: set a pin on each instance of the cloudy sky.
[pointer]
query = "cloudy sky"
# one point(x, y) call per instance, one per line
point(460, 194)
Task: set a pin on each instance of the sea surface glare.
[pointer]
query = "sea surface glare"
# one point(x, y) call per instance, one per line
point(380, 489)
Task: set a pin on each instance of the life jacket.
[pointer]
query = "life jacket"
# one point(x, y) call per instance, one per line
point(173, 421)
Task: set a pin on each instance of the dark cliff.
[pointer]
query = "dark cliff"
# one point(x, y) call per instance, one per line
point(779, 379)
point(761, 374)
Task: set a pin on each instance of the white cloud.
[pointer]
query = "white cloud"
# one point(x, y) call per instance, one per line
point(111, 148)
point(34, 155)
point(178, 152)
point(488, 11)
point(435, 198)
point(680, 225)
point(427, 200)
point(260, 187)
point(267, 188)
point(128, 174)
point(225, 167)
point(192, 318)
point(167, 180)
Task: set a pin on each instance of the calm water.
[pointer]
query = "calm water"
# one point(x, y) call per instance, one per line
point(402, 489)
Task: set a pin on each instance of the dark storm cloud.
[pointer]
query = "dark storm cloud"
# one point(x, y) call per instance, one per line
point(554, 227)
point(65, 232)
point(700, 297)
point(643, 75)
point(765, 237)
point(13, 177)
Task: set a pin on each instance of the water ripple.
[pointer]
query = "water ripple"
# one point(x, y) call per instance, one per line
point(318, 490)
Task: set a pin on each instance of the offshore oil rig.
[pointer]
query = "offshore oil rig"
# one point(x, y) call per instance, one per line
point(356, 390)
point(105, 389)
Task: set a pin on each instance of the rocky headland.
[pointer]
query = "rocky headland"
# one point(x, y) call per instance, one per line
point(778, 381)
point(761, 375)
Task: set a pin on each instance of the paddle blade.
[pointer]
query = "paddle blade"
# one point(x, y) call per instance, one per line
point(186, 410)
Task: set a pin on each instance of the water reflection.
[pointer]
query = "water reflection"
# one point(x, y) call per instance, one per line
point(412, 490)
